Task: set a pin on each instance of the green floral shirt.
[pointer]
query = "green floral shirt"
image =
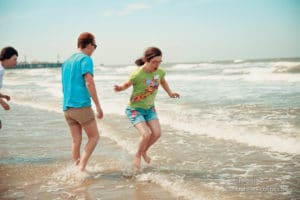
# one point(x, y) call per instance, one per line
point(145, 87)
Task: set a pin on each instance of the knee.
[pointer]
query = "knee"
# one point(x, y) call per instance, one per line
point(76, 141)
point(146, 135)
point(157, 135)
point(95, 138)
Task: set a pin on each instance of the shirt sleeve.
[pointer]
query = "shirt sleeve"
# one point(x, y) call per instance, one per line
point(132, 77)
point(87, 66)
point(162, 72)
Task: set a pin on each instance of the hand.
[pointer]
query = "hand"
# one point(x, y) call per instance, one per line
point(4, 105)
point(174, 95)
point(99, 113)
point(117, 88)
point(6, 97)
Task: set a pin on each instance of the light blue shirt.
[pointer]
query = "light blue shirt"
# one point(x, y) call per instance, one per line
point(75, 92)
point(1, 75)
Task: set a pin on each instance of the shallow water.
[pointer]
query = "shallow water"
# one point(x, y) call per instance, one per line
point(234, 134)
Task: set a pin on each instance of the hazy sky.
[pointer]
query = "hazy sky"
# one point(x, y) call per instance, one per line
point(185, 30)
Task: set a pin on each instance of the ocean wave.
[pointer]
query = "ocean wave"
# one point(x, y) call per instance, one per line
point(288, 69)
point(238, 61)
point(220, 131)
point(211, 127)
point(235, 72)
point(193, 67)
point(173, 184)
point(115, 69)
point(248, 76)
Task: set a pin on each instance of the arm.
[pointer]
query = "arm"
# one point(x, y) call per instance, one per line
point(5, 96)
point(90, 84)
point(166, 87)
point(4, 104)
point(122, 87)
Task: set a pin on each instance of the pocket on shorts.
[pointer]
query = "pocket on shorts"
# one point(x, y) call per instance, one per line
point(131, 113)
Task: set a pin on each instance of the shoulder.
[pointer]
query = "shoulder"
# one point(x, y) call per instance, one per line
point(87, 61)
point(84, 58)
point(81, 57)
point(161, 71)
point(77, 57)
point(135, 72)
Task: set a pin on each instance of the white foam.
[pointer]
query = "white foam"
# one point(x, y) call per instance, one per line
point(229, 131)
point(272, 142)
point(175, 185)
point(66, 177)
point(238, 61)
point(235, 71)
point(126, 144)
point(183, 67)
point(110, 78)
point(285, 64)
point(251, 72)
point(38, 105)
point(266, 74)
point(70, 176)
point(196, 77)
point(118, 70)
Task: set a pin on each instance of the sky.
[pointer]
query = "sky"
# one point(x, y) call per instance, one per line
point(185, 31)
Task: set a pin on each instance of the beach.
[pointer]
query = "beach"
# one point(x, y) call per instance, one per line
point(233, 134)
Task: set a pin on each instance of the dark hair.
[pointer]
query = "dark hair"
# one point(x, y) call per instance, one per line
point(150, 53)
point(7, 53)
point(84, 39)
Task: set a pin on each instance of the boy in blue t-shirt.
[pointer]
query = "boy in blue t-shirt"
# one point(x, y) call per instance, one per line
point(78, 89)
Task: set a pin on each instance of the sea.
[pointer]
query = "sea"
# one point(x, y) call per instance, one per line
point(233, 134)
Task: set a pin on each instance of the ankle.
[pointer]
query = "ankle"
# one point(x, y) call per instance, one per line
point(138, 155)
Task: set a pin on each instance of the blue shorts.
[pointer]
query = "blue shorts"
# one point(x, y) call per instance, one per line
point(137, 115)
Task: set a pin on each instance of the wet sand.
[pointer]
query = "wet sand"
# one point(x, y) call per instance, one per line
point(34, 182)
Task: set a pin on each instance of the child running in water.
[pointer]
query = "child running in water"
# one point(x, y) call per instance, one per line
point(141, 109)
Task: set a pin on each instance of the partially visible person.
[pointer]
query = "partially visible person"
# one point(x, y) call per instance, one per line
point(78, 90)
point(141, 109)
point(8, 58)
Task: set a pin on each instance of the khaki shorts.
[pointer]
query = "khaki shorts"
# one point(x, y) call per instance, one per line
point(82, 116)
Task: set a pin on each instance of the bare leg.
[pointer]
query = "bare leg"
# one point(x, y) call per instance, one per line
point(76, 132)
point(145, 133)
point(93, 138)
point(156, 133)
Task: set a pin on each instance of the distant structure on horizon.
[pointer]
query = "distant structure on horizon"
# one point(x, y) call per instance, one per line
point(24, 65)
point(38, 64)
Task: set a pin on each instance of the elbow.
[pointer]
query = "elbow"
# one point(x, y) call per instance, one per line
point(89, 84)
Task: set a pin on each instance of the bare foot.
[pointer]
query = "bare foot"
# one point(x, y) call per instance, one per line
point(147, 158)
point(82, 168)
point(137, 162)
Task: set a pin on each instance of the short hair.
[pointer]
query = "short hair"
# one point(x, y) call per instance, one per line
point(84, 39)
point(7, 53)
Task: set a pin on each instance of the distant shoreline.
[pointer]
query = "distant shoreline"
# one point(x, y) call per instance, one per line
point(241, 60)
point(224, 61)
point(37, 65)
point(23, 65)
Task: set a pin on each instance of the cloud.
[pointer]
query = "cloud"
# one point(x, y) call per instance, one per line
point(127, 10)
